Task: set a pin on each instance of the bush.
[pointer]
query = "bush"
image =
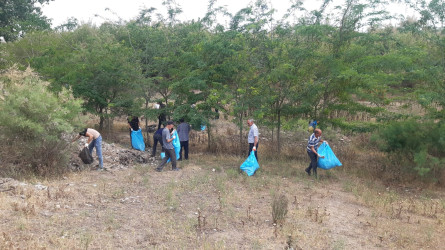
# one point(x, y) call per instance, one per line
point(421, 143)
point(34, 123)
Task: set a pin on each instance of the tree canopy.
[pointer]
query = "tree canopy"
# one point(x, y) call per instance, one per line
point(18, 17)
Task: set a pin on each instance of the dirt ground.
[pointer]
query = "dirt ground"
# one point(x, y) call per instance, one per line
point(209, 204)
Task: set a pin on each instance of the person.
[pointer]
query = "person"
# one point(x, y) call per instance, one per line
point(312, 146)
point(252, 138)
point(161, 117)
point(312, 125)
point(169, 150)
point(183, 133)
point(133, 124)
point(157, 137)
point(94, 141)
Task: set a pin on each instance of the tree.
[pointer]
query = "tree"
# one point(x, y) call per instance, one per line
point(35, 123)
point(18, 17)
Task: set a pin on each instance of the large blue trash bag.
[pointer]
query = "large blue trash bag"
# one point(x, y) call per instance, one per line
point(330, 160)
point(250, 165)
point(176, 146)
point(137, 141)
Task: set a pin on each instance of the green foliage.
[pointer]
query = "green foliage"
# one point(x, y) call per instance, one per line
point(18, 17)
point(422, 143)
point(35, 123)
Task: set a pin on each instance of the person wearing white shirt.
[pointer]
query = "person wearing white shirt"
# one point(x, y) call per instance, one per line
point(252, 138)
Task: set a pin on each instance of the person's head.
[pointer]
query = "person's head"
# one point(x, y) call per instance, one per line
point(181, 120)
point(317, 132)
point(250, 122)
point(83, 132)
point(170, 124)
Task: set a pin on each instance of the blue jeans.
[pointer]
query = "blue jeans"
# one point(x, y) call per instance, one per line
point(97, 143)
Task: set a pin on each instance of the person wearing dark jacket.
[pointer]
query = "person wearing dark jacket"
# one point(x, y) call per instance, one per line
point(157, 137)
point(183, 133)
point(133, 125)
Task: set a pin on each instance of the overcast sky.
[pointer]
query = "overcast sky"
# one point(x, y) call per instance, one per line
point(94, 11)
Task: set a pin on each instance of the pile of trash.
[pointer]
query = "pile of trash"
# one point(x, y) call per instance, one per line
point(115, 157)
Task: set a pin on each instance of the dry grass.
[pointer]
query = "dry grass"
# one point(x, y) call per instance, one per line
point(210, 205)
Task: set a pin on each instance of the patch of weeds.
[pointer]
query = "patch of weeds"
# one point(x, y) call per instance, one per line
point(198, 181)
point(119, 193)
point(232, 173)
point(22, 224)
point(307, 183)
point(111, 222)
point(141, 170)
point(85, 240)
point(256, 244)
point(170, 197)
point(338, 245)
point(347, 186)
point(146, 181)
point(279, 209)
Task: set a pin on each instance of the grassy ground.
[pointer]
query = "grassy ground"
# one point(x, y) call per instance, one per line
point(209, 205)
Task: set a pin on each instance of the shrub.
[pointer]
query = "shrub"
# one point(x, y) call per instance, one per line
point(421, 143)
point(34, 123)
point(279, 209)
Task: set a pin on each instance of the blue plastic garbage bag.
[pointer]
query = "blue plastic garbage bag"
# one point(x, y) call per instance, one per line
point(330, 160)
point(176, 145)
point(250, 165)
point(137, 141)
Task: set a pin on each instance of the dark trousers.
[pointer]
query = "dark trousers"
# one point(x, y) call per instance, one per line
point(157, 138)
point(313, 164)
point(185, 145)
point(251, 147)
point(169, 154)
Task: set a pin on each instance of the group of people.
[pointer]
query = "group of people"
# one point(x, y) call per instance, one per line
point(165, 137)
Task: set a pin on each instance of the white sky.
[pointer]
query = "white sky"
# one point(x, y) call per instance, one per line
point(94, 11)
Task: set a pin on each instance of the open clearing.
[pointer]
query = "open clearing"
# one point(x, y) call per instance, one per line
point(209, 204)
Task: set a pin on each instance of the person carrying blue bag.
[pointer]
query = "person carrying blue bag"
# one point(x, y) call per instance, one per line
point(167, 144)
point(312, 146)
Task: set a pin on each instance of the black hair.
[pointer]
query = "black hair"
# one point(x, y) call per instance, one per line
point(84, 132)
point(181, 120)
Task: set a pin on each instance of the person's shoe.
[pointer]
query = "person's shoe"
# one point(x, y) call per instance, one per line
point(100, 169)
point(175, 169)
point(180, 159)
point(308, 171)
point(158, 170)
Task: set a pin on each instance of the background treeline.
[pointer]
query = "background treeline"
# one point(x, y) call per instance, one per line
point(344, 65)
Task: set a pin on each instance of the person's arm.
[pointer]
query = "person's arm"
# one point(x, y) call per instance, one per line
point(315, 152)
point(90, 137)
point(255, 139)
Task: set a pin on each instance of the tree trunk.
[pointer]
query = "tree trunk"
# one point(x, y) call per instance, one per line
point(241, 131)
point(208, 136)
point(278, 131)
point(102, 119)
point(146, 125)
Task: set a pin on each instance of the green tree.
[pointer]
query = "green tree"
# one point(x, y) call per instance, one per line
point(19, 17)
